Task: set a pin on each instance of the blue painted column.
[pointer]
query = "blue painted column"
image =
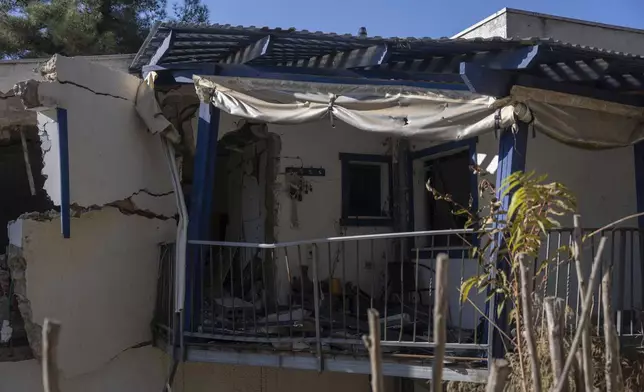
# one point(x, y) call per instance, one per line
point(201, 198)
point(63, 151)
point(638, 154)
point(512, 156)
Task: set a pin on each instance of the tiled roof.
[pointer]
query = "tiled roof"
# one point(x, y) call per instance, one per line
point(216, 43)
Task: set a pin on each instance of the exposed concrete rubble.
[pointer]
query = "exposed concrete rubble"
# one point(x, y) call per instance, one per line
point(17, 266)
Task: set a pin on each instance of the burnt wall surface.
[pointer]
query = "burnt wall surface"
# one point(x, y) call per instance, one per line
point(15, 194)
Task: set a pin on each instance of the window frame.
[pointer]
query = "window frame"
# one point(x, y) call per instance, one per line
point(346, 160)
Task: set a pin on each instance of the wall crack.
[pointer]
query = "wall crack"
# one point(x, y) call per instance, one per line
point(152, 193)
point(93, 91)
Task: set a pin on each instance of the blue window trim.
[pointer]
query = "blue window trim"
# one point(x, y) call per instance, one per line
point(455, 146)
point(346, 159)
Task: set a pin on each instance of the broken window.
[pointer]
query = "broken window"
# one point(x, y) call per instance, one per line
point(366, 190)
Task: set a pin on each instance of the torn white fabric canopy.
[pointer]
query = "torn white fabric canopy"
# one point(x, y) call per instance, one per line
point(437, 115)
point(440, 115)
point(581, 121)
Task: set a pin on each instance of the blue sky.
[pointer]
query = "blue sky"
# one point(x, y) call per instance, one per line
point(409, 18)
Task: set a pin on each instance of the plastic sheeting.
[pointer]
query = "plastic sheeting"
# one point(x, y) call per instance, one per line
point(437, 115)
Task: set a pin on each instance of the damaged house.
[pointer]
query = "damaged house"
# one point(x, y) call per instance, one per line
point(221, 209)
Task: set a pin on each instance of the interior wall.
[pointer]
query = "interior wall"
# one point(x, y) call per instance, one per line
point(246, 185)
point(318, 214)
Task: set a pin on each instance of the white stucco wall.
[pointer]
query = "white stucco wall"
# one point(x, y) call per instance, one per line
point(512, 23)
point(13, 71)
point(100, 283)
point(603, 181)
point(318, 214)
point(145, 370)
point(617, 38)
point(112, 156)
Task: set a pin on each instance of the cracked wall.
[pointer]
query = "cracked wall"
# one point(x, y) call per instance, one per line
point(100, 284)
point(112, 156)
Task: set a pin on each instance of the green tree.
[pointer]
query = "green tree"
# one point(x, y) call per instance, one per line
point(190, 12)
point(40, 28)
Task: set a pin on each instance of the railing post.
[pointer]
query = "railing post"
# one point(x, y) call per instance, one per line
point(316, 305)
point(512, 158)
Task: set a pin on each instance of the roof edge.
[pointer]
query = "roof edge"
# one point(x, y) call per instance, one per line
point(94, 57)
point(481, 23)
point(578, 21)
point(546, 16)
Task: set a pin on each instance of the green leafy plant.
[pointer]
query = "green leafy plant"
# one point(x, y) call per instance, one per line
point(535, 208)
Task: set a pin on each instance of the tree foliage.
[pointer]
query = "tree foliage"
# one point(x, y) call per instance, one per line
point(40, 28)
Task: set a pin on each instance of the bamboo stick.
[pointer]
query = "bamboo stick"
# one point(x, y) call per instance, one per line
point(50, 332)
point(585, 338)
point(585, 316)
point(578, 365)
point(25, 154)
point(499, 373)
point(440, 321)
point(528, 328)
point(612, 369)
point(554, 308)
point(372, 342)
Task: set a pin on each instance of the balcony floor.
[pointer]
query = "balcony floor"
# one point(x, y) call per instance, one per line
point(409, 367)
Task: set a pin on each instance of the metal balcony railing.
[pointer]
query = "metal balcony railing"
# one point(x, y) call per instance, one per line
point(622, 252)
point(312, 296)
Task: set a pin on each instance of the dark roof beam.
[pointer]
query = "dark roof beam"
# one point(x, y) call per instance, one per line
point(512, 59)
point(357, 58)
point(251, 52)
point(569, 72)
